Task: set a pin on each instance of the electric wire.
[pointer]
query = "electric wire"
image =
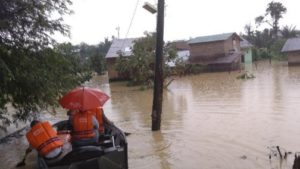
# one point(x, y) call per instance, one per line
point(132, 18)
point(130, 24)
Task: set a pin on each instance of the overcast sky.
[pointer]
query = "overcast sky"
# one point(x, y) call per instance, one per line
point(93, 20)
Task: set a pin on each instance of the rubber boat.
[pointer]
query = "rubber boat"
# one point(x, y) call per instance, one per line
point(110, 153)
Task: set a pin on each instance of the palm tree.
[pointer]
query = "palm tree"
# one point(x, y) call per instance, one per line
point(275, 10)
point(289, 32)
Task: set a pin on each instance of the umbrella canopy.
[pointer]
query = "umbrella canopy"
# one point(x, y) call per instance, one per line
point(83, 98)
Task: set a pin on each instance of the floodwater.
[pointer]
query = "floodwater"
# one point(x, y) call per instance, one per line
point(209, 121)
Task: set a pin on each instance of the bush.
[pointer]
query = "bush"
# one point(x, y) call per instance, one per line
point(276, 49)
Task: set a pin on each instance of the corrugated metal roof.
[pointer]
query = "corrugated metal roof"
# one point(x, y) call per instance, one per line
point(292, 44)
point(221, 59)
point(211, 38)
point(245, 44)
point(120, 45)
point(227, 59)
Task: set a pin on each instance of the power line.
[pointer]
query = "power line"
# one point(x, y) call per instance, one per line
point(134, 13)
point(130, 24)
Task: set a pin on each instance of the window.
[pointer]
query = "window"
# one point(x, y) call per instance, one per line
point(127, 49)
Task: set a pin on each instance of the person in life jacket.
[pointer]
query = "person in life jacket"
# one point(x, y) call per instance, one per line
point(43, 138)
point(99, 114)
point(84, 129)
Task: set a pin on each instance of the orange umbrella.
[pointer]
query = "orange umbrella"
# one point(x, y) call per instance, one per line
point(83, 98)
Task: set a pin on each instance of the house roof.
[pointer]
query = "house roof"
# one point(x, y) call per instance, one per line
point(291, 45)
point(212, 38)
point(120, 45)
point(220, 59)
point(226, 59)
point(245, 44)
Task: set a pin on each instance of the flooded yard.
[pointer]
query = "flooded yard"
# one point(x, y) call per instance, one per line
point(209, 121)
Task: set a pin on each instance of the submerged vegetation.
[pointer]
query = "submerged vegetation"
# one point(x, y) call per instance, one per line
point(34, 69)
point(139, 68)
point(269, 41)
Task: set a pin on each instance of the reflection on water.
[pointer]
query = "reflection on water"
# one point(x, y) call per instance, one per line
point(209, 121)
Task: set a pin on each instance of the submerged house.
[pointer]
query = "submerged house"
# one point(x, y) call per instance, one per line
point(221, 52)
point(246, 48)
point(292, 49)
point(124, 47)
point(118, 47)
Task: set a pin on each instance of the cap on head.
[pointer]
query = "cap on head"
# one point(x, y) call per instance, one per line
point(34, 122)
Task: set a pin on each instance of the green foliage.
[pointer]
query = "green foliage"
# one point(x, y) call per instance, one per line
point(94, 55)
point(275, 10)
point(122, 67)
point(97, 63)
point(263, 39)
point(264, 53)
point(289, 32)
point(276, 49)
point(32, 75)
point(36, 79)
point(260, 39)
point(139, 67)
point(255, 54)
point(142, 62)
point(267, 43)
point(27, 23)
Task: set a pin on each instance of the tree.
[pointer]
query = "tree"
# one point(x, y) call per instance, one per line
point(276, 47)
point(249, 33)
point(139, 68)
point(248, 30)
point(263, 39)
point(97, 60)
point(275, 10)
point(34, 70)
point(30, 24)
point(94, 55)
point(289, 32)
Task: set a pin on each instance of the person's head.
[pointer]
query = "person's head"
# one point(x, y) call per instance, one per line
point(71, 112)
point(34, 122)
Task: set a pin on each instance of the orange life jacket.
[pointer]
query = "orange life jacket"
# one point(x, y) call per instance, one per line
point(98, 113)
point(43, 138)
point(83, 126)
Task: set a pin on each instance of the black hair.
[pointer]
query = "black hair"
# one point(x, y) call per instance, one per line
point(34, 122)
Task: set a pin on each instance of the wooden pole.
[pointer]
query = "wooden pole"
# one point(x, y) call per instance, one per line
point(158, 79)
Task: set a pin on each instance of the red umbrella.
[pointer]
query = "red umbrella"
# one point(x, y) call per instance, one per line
point(83, 98)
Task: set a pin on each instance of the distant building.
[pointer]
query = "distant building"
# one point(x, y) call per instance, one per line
point(221, 52)
point(292, 49)
point(118, 46)
point(246, 48)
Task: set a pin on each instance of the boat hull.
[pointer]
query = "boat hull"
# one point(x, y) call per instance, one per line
point(110, 153)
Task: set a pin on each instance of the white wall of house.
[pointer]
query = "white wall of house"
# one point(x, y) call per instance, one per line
point(183, 54)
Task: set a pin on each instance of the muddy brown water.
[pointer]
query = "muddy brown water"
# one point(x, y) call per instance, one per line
point(209, 121)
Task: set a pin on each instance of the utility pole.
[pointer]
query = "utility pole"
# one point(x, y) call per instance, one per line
point(118, 29)
point(158, 79)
